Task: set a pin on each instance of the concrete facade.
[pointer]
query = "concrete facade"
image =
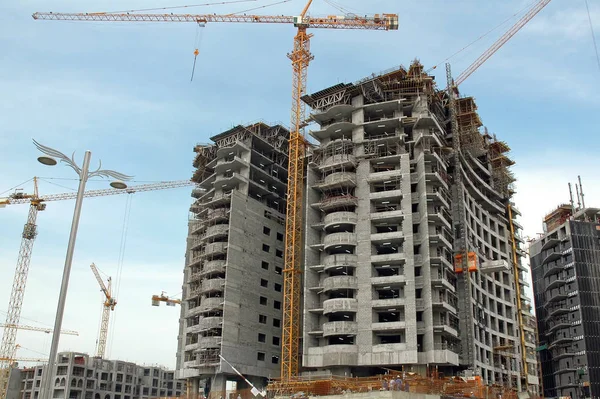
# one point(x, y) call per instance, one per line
point(233, 280)
point(565, 262)
point(79, 376)
point(380, 285)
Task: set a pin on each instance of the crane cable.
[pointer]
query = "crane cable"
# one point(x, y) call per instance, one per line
point(587, 6)
point(197, 42)
point(174, 7)
point(117, 286)
point(485, 34)
point(17, 186)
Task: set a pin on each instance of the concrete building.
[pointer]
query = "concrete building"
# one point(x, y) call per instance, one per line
point(232, 292)
point(565, 262)
point(380, 288)
point(79, 376)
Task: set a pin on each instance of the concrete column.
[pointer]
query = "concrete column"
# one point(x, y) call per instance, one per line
point(192, 388)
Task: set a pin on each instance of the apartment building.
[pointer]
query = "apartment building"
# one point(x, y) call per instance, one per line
point(233, 283)
point(79, 376)
point(381, 288)
point(565, 262)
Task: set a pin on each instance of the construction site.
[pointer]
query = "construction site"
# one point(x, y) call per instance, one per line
point(370, 249)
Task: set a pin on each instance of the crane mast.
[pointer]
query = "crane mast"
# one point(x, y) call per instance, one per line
point(13, 316)
point(109, 305)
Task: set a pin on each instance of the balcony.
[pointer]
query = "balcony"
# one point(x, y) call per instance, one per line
point(219, 230)
point(334, 130)
point(388, 303)
point(217, 215)
point(211, 304)
point(390, 326)
point(440, 280)
point(396, 258)
point(335, 283)
point(192, 347)
point(334, 202)
point(449, 303)
point(386, 194)
point(388, 280)
point(215, 248)
point(336, 239)
point(558, 282)
point(210, 323)
point(208, 358)
point(551, 256)
point(340, 328)
point(213, 267)
point(231, 162)
point(338, 161)
point(195, 259)
point(556, 297)
point(340, 260)
point(210, 342)
point(445, 327)
point(560, 324)
point(338, 110)
point(379, 177)
point(558, 310)
point(340, 218)
point(388, 216)
point(218, 199)
point(392, 236)
point(494, 266)
point(439, 196)
point(437, 239)
point(560, 341)
point(336, 180)
point(437, 177)
point(553, 268)
point(340, 305)
point(441, 216)
point(212, 285)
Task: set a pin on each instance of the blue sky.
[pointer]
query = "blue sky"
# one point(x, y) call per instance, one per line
point(123, 91)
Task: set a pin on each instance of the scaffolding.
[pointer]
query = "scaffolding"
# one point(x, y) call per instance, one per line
point(471, 140)
point(503, 178)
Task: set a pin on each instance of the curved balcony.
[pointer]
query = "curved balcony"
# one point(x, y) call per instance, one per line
point(335, 180)
point(562, 323)
point(340, 283)
point(557, 283)
point(213, 267)
point(218, 230)
point(554, 255)
point(334, 130)
point(211, 304)
point(336, 202)
point(344, 110)
point(336, 239)
point(340, 305)
point(217, 199)
point(217, 214)
point(340, 218)
point(340, 328)
point(195, 260)
point(215, 248)
point(210, 323)
point(338, 161)
point(343, 260)
point(209, 342)
point(212, 285)
point(558, 310)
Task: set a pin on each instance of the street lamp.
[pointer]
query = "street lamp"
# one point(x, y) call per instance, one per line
point(84, 174)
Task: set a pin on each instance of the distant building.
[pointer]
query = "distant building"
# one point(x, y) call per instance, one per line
point(79, 376)
point(565, 264)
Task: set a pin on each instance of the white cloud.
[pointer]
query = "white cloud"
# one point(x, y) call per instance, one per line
point(565, 23)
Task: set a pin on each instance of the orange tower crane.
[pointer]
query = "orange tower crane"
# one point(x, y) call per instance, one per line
point(109, 304)
point(300, 57)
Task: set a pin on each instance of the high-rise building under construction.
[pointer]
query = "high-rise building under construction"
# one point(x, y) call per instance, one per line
point(395, 274)
point(232, 292)
point(565, 263)
point(385, 284)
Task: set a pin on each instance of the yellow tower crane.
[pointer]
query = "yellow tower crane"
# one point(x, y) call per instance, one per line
point(109, 305)
point(38, 203)
point(157, 299)
point(300, 57)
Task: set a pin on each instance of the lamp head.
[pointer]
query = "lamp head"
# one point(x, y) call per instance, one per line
point(118, 184)
point(49, 161)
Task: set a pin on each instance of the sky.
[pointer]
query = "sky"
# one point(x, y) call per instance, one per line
point(123, 91)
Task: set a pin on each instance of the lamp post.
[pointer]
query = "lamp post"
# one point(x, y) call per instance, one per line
point(50, 159)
